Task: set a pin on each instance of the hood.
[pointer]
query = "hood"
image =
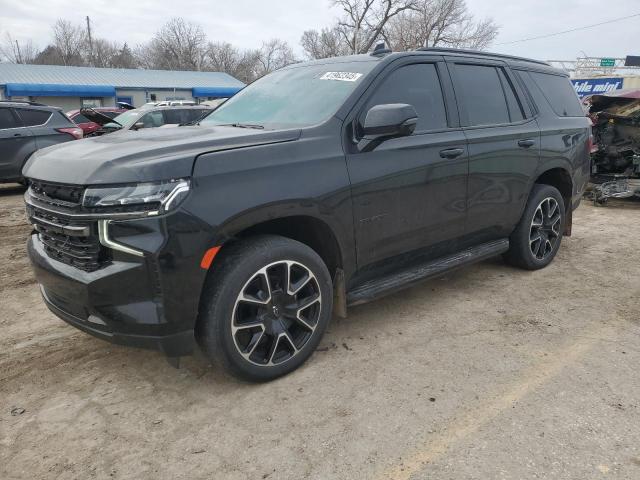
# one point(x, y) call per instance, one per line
point(143, 156)
point(96, 117)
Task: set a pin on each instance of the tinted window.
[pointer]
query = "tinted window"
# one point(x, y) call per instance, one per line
point(177, 116)
point(481, 94)
point(515, 110)
point(417, 85)
point(7, 119)
point(33, 117)
point(110, 114)
point(560, 94)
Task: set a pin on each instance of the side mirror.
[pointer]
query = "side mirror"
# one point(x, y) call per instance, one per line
point(387, 121)
point(138, 126)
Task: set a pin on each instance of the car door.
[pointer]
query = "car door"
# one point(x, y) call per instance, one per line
point(16, 144)
point(503, 140)
point(409, 193)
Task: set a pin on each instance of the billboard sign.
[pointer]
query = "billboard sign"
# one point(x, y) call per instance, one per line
point(593, 86)
point(607, 62)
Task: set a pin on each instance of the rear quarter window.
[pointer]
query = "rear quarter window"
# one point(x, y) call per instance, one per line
point(31, 118)
point(559, 93)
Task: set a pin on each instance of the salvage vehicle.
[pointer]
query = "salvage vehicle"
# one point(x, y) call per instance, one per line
point(616, 153)
point(320, 186)
point(148, 118)
point(24, 128)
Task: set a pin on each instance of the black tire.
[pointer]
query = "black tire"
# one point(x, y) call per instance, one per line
point(524, 250)
point(223, 330)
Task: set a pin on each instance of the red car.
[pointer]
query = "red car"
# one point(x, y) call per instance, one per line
point(88, 127)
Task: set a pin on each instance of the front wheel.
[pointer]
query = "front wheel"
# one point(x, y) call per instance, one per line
point(265, 307)
point(536, 239)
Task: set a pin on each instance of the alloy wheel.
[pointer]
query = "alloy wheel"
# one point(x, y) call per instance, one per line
point(276, 313)
point(545, 228)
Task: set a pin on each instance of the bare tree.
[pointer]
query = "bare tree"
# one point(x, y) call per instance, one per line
point(70, 41)
point(363, 21)
point(178, 45)
point(223, 57)
point(439, 23)
point(325, 43)
point(104, 53)
point(14, 51)
point(274, 54)
point(124, 58)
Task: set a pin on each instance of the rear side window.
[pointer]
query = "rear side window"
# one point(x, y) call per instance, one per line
point(32, 118)
point(417, 85)
point(559, 93)
point(480, 92)
point(7, 120)
point(177, 116)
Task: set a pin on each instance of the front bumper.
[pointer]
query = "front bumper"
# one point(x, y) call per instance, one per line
point(148, 301)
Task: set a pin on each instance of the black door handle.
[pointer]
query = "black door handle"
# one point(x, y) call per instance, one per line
point(526, 143)
point(17, 134)
point(451, 152)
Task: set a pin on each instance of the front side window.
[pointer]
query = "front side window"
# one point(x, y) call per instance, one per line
point(152, 119)
point(7, 119)
point(479, 90)
point(295, 97)
point(419, 86)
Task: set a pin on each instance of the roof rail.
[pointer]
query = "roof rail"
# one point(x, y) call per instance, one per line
point(481, 53)
point(24, 102)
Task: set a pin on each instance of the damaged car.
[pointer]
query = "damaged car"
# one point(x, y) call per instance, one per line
point(615, 156)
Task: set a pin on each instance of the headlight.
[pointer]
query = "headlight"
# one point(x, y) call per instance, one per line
point(160, 196)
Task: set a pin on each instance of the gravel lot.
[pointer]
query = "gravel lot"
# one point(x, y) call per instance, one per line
point(488, 373)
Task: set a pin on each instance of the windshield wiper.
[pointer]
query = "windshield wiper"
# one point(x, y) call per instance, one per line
point(244, 125)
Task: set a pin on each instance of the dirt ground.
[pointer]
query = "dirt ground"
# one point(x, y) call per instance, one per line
point(488, 373)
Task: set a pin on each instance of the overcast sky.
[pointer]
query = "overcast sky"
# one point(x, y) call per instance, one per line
point(247, 22)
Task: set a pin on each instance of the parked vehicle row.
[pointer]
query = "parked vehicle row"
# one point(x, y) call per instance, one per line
point(322, 185)
point(144, 118)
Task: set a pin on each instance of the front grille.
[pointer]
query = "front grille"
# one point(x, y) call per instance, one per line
point(63, 195)
point(65, 238)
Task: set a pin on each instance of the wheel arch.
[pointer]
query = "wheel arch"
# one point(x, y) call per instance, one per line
point(560, 178)
point(309, 230)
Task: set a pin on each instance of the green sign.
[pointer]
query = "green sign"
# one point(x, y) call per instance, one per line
point(607, 62)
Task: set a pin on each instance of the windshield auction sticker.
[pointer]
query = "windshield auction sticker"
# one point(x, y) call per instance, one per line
point(342, 76)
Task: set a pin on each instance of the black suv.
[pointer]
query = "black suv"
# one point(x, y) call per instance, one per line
point(322, 185)
point(24, 128)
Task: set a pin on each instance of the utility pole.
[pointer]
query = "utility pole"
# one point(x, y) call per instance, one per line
point(90, 41)
point(18, 52)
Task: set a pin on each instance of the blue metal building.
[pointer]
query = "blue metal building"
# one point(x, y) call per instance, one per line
point(74, 87)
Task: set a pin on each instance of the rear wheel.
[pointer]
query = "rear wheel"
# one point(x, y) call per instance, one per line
point(536, 239)
point(265, 307)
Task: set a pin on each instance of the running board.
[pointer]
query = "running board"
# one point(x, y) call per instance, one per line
point(380, 287)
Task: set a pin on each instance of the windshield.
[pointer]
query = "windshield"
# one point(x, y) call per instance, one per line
point(294, 97)
point(128, 118)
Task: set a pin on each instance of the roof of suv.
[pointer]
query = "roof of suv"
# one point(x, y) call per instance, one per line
point(436, 51)
point(25, 104)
